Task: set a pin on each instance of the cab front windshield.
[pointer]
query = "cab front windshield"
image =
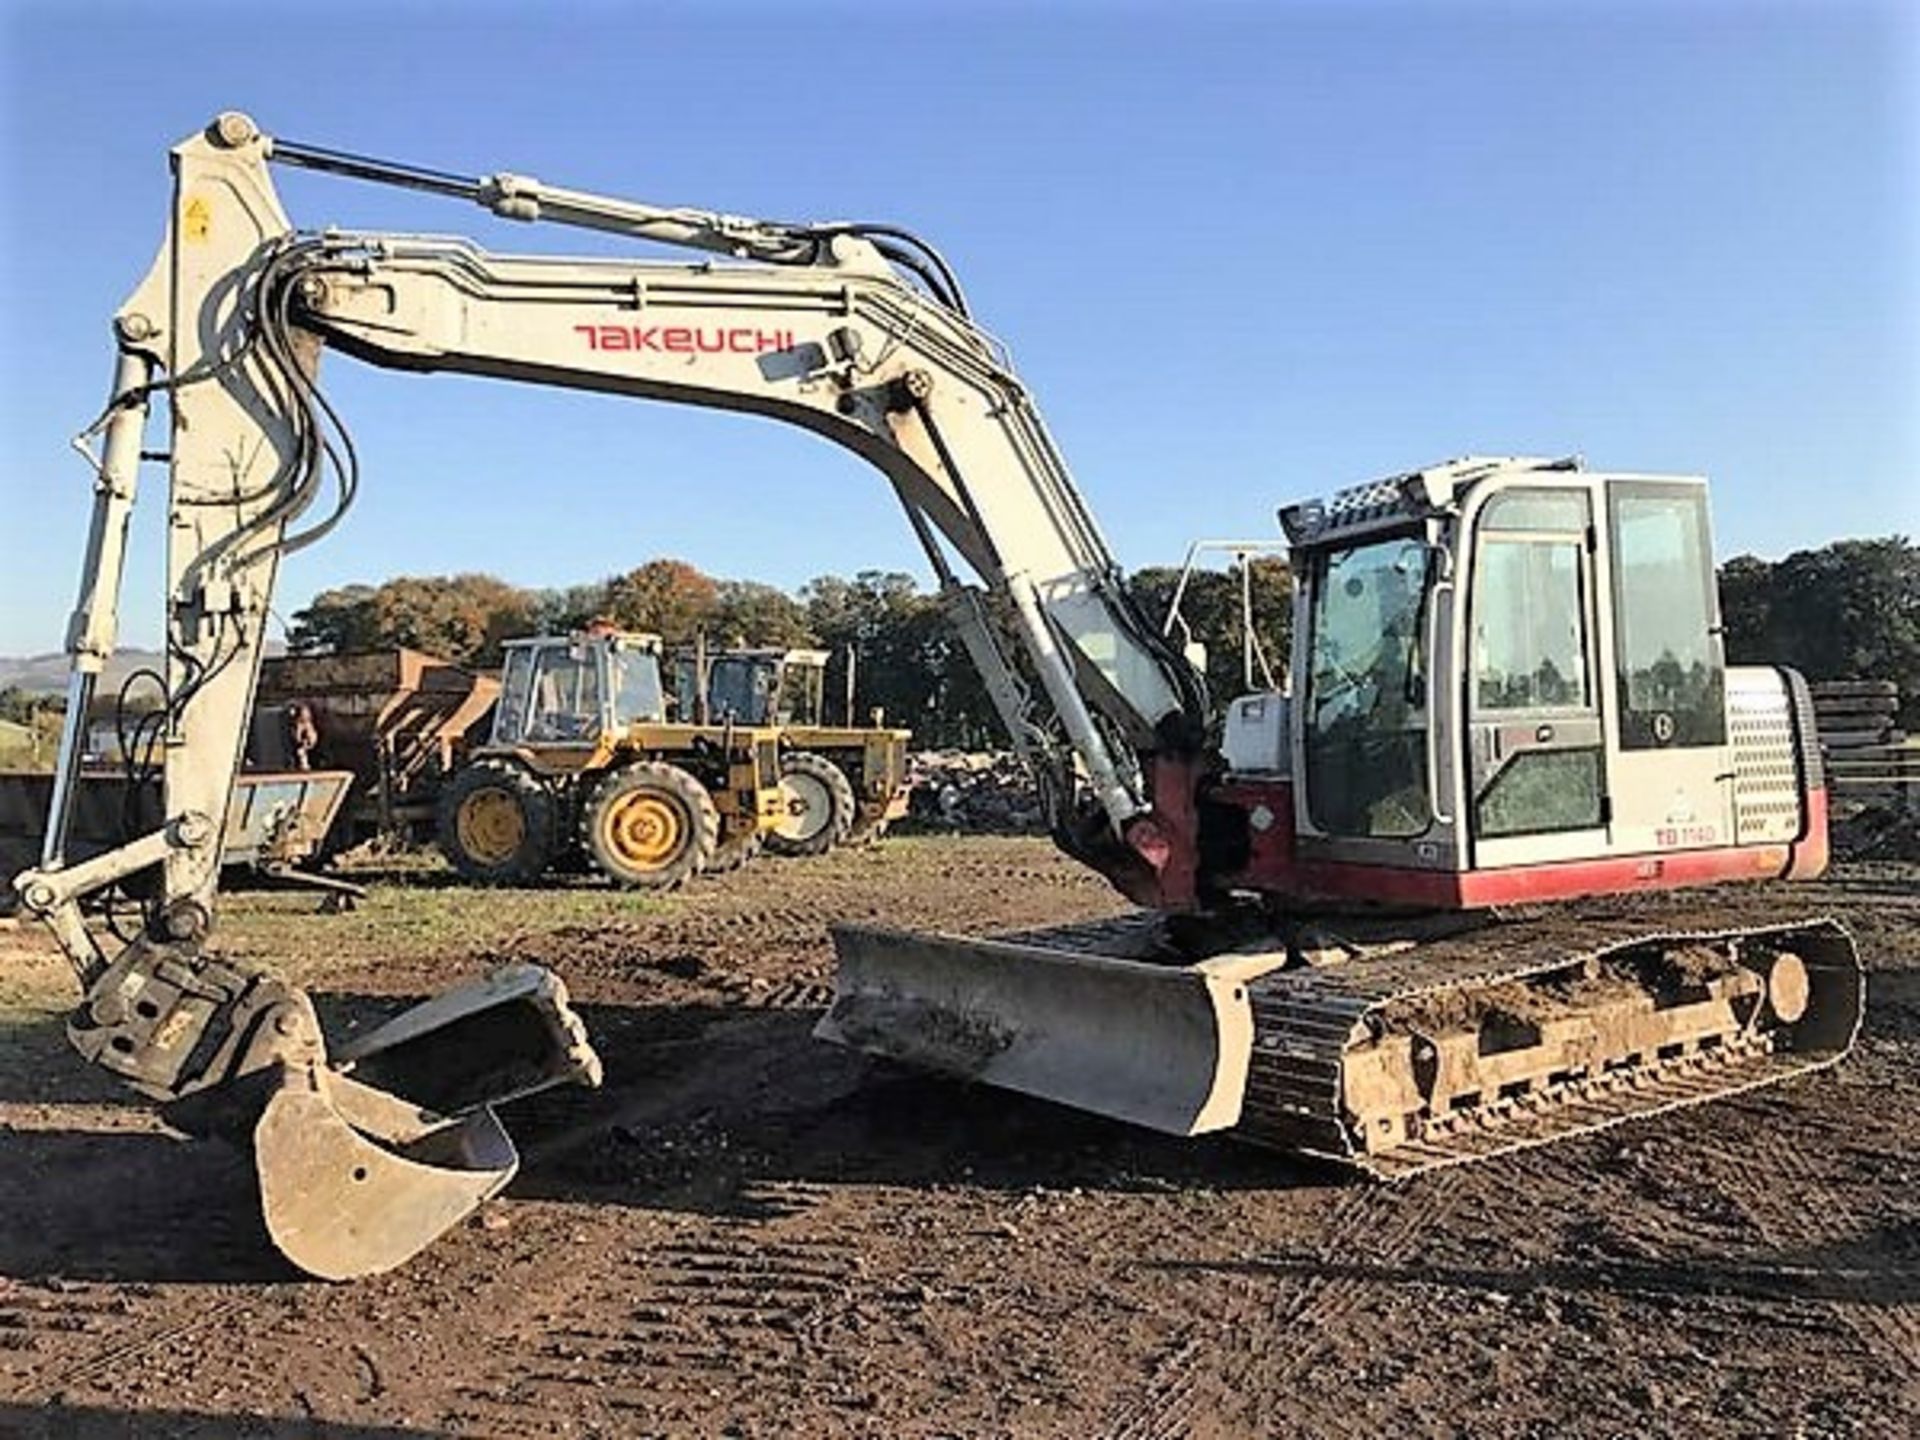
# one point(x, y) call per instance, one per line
point(1366, 710)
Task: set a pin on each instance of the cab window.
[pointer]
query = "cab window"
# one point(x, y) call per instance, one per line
point(1671, 675)
point(1528, 611)
point(566, 697)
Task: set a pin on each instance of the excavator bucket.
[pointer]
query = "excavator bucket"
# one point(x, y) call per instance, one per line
point(354, 1181)
point(364, 1159)
point(1164, 1046)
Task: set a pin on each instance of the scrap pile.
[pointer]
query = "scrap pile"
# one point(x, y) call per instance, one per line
point(986, 791)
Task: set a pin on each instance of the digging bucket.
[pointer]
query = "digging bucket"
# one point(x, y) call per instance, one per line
point(365, 1158)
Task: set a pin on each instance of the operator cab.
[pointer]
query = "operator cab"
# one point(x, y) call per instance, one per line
point(756, 686)
point(572, 689)
point(1508, 683)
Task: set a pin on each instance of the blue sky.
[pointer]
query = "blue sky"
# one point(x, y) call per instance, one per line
point(1242, 254)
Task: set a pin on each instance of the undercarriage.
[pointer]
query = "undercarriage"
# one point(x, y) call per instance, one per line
point(1394, 1045)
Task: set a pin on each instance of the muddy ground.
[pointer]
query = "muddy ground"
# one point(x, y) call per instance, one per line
point(749, 1233)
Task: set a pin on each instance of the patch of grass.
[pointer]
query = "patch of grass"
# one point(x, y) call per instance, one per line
point(398, 921)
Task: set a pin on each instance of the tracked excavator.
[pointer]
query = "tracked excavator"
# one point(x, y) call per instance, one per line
point(1506, 691)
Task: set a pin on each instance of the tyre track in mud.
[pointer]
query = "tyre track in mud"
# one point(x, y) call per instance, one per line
point(1788, 1203)
point(1257, 1351)
point(120, 1346)
point(79, 1314)
point(727, 1311)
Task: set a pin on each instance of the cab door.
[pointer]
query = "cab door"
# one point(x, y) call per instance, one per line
point(1536, 744)
point(1672, 780)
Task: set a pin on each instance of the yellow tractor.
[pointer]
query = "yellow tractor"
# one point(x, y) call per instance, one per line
point(583, 765)
point(840, 784)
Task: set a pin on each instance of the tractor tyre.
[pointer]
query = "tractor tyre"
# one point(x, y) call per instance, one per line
point(740, 841)
point(819, 804)
point(495, 823)
point(649, 826)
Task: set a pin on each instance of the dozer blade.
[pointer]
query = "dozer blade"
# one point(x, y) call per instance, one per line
point(1163, 1046)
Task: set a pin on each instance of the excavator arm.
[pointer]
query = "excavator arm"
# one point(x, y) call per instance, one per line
point(858, 357)
point(857, 333)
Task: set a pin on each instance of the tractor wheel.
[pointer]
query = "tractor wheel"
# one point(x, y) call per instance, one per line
point(649, 826)
point(819, 805)
point(740, 841)
point(495, 823)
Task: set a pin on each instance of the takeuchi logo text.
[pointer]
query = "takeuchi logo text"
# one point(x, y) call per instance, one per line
point(687, 339)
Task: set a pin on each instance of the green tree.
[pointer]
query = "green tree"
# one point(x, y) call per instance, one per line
point(1212, 610)
point(335, 622)
point(462, 618)
point(1847, 611)
point(1746, 607)
point(750, 613)
point(25, 707)
point(567, 608)
point(910, 664)
point(668, 597)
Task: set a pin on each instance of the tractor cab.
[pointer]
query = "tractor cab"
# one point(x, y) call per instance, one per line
point(764, 686)
point(573, 689)
point(843, 783)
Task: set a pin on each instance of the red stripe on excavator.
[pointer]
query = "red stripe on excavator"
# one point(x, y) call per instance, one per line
point(1560, 880)
point(1810, 850)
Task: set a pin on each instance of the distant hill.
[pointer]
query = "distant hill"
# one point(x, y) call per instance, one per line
point(47, 674)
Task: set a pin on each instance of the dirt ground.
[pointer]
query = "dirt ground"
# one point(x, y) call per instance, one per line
point(749, 1233)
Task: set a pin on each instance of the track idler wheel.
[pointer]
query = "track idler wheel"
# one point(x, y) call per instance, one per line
point(1788, 987)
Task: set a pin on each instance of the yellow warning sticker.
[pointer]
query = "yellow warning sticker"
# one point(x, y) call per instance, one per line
point(196, 220)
